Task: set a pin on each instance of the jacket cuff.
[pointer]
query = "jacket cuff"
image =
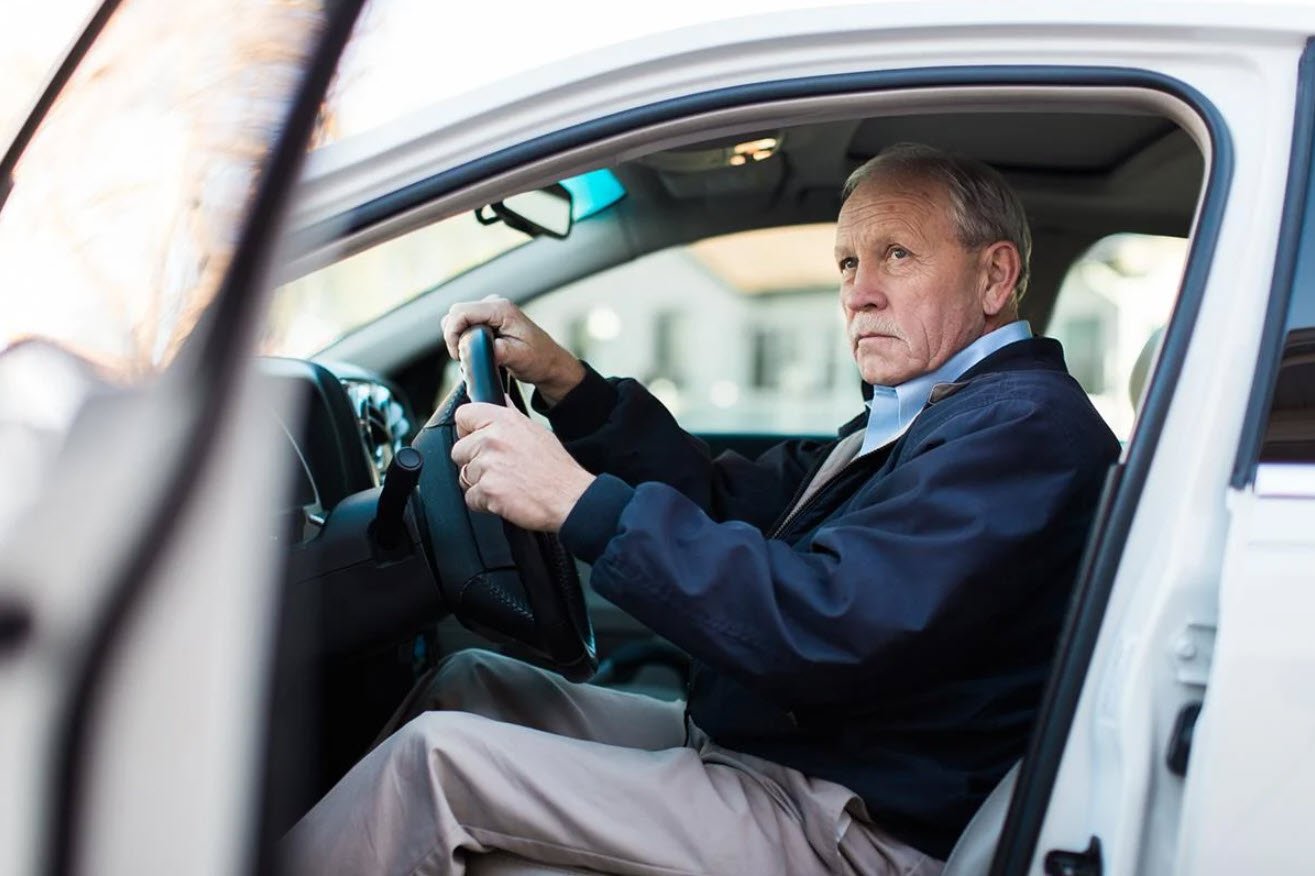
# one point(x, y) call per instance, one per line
point(595, 518)
point(583, 410)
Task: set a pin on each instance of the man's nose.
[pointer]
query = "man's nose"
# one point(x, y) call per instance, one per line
point(864, 292)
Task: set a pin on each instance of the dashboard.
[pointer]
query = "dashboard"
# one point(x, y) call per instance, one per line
point(383, 416)
point(350, 425)
point(344, 429)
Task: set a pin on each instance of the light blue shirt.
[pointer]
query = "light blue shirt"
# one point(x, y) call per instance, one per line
point(893, 408)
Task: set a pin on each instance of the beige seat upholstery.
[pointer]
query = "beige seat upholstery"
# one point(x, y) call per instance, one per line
point(976, 846)
point(1141, 369)
point(971, 856)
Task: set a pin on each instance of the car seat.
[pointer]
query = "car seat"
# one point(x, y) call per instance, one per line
point(1141, 369)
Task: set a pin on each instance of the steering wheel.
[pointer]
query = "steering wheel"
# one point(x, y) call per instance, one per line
point(499, 580)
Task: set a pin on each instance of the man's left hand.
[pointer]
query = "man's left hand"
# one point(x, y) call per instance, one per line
point(515, 468)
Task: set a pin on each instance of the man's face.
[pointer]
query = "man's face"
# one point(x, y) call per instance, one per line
point(911, 293)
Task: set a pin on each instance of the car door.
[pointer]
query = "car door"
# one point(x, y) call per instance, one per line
point(138, 208)
point(1247, 775)
point(1164, 743)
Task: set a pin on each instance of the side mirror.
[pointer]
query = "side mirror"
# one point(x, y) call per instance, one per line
point(541, 211)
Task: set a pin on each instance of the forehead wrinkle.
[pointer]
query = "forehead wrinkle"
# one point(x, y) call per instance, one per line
point(883, 220)
point(908, 198)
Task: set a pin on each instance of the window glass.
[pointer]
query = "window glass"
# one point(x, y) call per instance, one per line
point(735, 334)
point(37, 41)
point(1110, 316)
point(126, 204)
point(1290, 424)
point(312, 312)
point(1290, 428)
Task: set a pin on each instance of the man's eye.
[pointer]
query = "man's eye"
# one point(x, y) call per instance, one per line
point(897, 252)
point(848, 264)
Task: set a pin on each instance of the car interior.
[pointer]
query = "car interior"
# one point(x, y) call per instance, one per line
point(363, 615)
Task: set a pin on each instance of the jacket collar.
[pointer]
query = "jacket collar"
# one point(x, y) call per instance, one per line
point(1029, 354)
point(894, 408)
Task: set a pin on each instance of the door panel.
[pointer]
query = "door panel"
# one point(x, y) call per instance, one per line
point(1250, 776)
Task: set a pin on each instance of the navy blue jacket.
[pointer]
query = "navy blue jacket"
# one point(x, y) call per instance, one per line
point(895, 633)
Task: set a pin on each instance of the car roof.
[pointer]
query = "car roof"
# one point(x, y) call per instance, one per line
point(715, 26)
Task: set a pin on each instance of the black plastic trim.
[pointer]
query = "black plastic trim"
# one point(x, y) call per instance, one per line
point(16, 625)
point(1022, 829)
point(1285, 268)
point(1179, 752)
point(1061, 862)
point(217, 365)
point(430, 188)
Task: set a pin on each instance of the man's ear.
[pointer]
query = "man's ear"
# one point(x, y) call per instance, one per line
point(1001, 265)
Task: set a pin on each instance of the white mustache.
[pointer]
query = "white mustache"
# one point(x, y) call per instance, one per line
point(879, 327)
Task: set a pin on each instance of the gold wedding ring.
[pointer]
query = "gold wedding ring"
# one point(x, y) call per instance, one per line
point(461, 476)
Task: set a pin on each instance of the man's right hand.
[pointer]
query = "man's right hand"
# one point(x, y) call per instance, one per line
point(524, 349)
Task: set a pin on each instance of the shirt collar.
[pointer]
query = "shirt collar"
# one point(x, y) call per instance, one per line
point(893, 408)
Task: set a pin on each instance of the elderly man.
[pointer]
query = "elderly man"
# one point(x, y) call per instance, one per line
point(871, 618)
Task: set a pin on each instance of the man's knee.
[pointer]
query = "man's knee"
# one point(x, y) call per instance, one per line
point(468, 680)
point(437, 739)
point(475, 663)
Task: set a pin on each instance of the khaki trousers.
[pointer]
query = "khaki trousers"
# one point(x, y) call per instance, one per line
point(506, 756)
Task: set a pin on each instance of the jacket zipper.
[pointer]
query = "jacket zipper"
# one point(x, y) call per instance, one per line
point(813, 500)
point(788, 514)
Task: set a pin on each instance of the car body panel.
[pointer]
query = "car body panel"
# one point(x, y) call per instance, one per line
point(1247, 792)
point(877, 37)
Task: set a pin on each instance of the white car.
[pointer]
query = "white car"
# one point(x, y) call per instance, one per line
point(214, 347)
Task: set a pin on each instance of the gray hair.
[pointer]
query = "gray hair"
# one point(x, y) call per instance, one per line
point(983, 207)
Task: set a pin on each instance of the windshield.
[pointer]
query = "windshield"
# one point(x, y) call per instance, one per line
point(310, 313)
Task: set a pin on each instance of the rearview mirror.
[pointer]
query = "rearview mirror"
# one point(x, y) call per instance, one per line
point(541, 211)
